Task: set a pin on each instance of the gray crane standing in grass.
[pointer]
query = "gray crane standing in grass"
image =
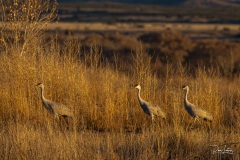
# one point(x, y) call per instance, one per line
point(149, 109)
point(56, 109)
point(195, 111)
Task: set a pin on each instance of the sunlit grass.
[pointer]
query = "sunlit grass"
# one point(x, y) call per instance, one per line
point(108, 122)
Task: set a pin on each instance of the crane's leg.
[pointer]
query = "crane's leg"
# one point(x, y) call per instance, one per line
point(196, 118)
point(153, 120)
point(192, 124)
point(56, 116)
point(153, 127)
point(56, 120)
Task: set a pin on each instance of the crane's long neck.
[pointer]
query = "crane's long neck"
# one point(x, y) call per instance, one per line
point(41, 94)
point(185, 98)
point(139, 97)
point(46, 102)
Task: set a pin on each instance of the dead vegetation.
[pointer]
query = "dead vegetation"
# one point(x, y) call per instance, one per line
point(109, 123)
point(170, 47)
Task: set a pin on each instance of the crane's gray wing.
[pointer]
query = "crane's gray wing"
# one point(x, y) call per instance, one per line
point(62, 110)
point(157, 111)
point(201, 113)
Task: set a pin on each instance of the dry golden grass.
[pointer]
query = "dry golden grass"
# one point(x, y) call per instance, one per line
point(108, 123)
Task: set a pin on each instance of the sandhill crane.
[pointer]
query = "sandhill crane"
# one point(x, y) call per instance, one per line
point(195, 111)
point(149, 109)
point(56, 109)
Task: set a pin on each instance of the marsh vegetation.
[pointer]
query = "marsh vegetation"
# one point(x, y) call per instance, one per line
point(108, 123)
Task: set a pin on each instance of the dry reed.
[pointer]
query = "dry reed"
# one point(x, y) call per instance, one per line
point(108, 124)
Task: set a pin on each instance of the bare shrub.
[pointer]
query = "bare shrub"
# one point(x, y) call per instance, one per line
point(172, 45)
point(25, 20)
point(108, 123)
point(216, 54)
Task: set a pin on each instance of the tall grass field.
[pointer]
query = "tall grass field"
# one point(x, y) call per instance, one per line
point(108, 122)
